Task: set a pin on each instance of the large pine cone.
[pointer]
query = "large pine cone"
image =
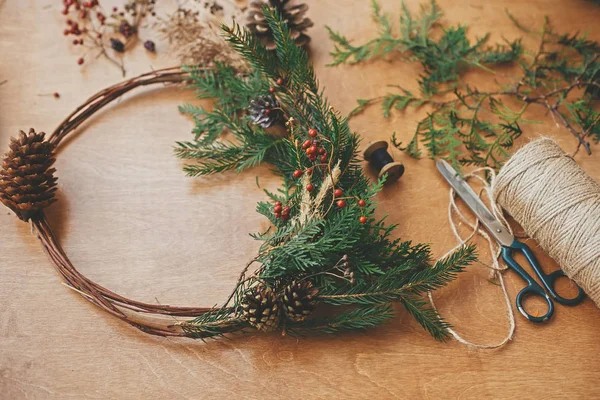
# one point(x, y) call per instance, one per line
point(299, 300)
point(261, 308)
point(265, 112)
point(27, 183)
point(293, 14)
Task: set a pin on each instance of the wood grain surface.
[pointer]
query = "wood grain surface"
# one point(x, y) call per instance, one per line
point(132, 221)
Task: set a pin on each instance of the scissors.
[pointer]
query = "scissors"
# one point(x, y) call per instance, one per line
point(510, 245)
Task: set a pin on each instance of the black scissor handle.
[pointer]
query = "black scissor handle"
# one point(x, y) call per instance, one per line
point(533, 291)
point(532, 288)
point(550, 279)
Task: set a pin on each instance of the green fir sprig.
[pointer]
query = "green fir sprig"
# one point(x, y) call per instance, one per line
point(469, 126)
point(328, 235)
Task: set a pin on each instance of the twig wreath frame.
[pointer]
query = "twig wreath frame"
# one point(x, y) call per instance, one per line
point(104, 298)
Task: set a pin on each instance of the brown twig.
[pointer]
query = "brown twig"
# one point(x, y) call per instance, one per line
point(129, 311)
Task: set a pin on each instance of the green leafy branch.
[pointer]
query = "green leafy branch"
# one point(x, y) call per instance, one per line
point(330, 236)
point(476, 127)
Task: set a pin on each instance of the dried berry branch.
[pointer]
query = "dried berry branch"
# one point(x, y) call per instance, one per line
point(102, 35)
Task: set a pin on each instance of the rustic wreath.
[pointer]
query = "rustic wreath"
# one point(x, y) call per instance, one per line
point(324, 246)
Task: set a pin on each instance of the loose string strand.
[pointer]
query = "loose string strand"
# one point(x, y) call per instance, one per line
point(495, 267)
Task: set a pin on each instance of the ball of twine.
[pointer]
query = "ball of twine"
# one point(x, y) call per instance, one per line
point(558, 205)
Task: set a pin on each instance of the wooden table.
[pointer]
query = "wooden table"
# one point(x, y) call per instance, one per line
point(132, 221)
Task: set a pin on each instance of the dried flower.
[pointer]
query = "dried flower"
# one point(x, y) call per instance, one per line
point(194, 33)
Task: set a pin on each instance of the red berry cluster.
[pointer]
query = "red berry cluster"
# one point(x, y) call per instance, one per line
point(361, 204)
point(341, 203)
point(74, 29)
point(298, 173)
point(83, 7)
point(281, 212)
point(313, 147)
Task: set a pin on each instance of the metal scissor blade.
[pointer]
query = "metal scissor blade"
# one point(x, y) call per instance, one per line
point(465, 192)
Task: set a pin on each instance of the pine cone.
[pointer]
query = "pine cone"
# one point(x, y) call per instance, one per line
point(261, 308)
point(27, 183)
point(265, 112)
point(293, 15)
point(298, 300)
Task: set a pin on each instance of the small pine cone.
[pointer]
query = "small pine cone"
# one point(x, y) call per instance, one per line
point(293, 14)
point(261, 308)
point(27, 183)
point(265, 112)
point(299, 300)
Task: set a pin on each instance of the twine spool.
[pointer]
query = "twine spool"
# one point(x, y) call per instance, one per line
point(377, 155)
point(558, 205)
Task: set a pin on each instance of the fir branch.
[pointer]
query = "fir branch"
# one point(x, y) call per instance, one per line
point(426, 316)
point(213, 324)
point(347, 260)
point(357, 319)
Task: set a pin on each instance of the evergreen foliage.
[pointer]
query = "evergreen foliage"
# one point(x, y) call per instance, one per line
point(359, 269)
point(468, 126)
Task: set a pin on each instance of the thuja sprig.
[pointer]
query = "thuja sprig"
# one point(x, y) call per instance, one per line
point(324, 246)
point(469, 126)
point(443, 59)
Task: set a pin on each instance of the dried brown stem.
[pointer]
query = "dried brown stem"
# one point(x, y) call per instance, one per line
point(128, 310)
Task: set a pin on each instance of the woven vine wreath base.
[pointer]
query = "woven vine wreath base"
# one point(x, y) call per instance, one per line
point(138, 314)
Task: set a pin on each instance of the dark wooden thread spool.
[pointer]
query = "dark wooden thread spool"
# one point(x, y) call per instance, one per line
point(377, 155)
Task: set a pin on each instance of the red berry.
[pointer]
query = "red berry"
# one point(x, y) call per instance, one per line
point(362, 220)
point(280, 81)
point(99, 36)
point(65, 32)
point(297, 173)
point(338, 193)
point(286, 211)
point(272, 89)
point(362, 203)
point(341, 203)
point(115, 9)
point(309, 171)
point(323, 158)
point(312, 157)
point(75, 41)
point(310, 187)
point(312, 132)
point(277, 209)
point(80, 61)
point(65, 11)
point(277, 203)
point(285, 217)
point(267, 111)
point(312, 150)
point(322, 151)
point(56, 95)
point(82, 14)
point(306, 144)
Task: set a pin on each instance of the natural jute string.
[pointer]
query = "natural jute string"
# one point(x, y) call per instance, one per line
point(495, 267)
point(558, 205)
